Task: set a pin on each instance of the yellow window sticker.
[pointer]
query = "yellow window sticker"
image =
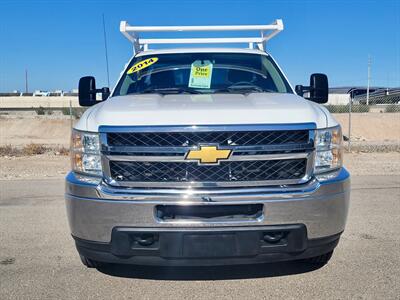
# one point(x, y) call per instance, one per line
point(142, 65)
point(200, 74)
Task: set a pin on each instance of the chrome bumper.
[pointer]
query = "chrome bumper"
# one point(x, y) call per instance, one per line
point(94, 208)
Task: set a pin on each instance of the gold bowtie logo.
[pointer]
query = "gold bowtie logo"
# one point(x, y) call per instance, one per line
point(208, 154)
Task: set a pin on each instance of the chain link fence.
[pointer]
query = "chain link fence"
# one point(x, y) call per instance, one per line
point(371, 122)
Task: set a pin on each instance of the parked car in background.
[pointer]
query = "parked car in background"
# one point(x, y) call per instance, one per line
point(40, 93)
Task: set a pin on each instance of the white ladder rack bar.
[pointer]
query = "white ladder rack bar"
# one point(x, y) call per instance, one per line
point(141, 44)
point(200, 28)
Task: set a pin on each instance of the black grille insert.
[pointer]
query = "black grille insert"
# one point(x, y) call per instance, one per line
point(227, 171)
point(223, 138)
point(214, 212)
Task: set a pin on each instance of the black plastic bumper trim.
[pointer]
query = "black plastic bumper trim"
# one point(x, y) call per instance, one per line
point(200, 246)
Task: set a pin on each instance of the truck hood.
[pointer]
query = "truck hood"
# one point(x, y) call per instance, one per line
point(154, 109)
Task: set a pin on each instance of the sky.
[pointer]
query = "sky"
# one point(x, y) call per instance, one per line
point(60, 41)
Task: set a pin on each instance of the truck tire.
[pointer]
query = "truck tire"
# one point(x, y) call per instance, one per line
point(90, 263)
point(319, 260)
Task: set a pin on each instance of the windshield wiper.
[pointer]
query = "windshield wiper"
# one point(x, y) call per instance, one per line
point(172, 90)
point(243, 89)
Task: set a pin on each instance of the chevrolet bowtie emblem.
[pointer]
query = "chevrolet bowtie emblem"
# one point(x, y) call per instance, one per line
point(208, 155)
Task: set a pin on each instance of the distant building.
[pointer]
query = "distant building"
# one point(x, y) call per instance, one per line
point(342, 95)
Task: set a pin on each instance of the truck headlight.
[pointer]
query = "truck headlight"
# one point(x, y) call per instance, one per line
point(329, 150)
point(85, 153)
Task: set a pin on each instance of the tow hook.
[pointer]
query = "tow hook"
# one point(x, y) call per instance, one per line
point(145, 239)
point(273, 237)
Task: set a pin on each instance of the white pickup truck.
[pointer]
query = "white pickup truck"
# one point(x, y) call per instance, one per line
point(205, 156)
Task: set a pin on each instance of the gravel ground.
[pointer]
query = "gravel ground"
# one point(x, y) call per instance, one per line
point(373, 163)
point(32, 167)
point(371, 127)
point(50, 130)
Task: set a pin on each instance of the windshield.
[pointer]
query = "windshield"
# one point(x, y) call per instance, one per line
point(202, 73)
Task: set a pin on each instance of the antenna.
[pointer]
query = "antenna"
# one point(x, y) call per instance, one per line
point(105, 47)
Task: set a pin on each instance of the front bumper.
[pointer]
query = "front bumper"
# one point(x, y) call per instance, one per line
point(95, 209)
point(204, 247)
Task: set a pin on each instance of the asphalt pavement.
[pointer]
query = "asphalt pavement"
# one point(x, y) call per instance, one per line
point(38, 259)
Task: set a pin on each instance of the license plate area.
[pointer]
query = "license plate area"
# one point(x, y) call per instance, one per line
point(220, 245)
point(209, 213)
point(178, 243)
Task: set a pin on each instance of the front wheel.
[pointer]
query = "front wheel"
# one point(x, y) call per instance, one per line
point(319, 260)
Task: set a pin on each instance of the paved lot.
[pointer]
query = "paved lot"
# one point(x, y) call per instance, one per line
point(38, 259)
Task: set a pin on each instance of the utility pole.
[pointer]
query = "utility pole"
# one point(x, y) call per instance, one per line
point(26, 80)
point(369, 77)
point(350, 104)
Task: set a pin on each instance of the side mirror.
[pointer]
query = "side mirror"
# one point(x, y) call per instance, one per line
point(318, 88)
point(88, 91)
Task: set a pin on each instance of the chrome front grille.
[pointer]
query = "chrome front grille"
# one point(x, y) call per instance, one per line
point(155, 156)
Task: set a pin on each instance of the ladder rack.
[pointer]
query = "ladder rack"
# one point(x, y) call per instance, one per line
point(142, 44)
